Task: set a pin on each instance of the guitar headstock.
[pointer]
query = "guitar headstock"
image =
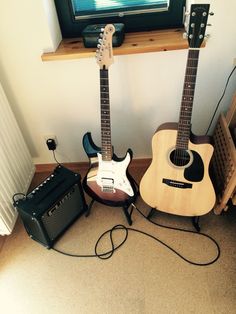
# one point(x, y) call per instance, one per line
point(104, 53)
point(197, 24)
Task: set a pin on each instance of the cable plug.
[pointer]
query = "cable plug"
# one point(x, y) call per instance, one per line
point(51, 144)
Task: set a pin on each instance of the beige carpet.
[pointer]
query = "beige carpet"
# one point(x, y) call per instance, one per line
point(142, 277)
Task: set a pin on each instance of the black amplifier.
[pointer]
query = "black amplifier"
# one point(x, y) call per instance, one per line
point(52, 206)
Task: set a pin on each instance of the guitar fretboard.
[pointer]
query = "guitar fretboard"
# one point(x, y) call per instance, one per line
point(105, 116)
point(184, 125)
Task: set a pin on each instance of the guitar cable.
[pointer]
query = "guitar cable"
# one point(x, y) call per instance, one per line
point(108, 254)
point(217, 106)
point(110, 232)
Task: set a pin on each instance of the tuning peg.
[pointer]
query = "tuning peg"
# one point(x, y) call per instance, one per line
point(209, 24)
point(187, 13)
point(100, 40)
point(207, 36)
point(99, 46)
point(212, 13)
point(102, 29)
point(185, 35)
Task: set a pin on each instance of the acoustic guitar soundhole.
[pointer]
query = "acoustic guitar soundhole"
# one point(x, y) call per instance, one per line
point(180, 157)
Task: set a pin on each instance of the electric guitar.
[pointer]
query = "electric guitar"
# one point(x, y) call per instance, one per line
point(177, 180)
point(107, 180)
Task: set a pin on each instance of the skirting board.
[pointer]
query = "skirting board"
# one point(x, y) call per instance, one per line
point(83, 166)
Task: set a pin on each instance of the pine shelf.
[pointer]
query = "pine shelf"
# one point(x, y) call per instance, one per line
point(140, 42)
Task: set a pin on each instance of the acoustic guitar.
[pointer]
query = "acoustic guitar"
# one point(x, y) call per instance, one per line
point(107, 180)
point(177, 180)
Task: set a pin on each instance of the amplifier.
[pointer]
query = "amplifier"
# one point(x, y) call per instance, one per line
point(91, 34)
point(52, 206)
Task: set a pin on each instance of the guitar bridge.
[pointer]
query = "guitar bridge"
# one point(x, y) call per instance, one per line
point(177, 184)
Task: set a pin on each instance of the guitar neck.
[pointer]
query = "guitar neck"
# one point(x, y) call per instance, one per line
point(105, 116)
point(184, 126)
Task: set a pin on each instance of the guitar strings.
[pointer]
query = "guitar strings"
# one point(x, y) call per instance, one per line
point(181, 155)
point(105, 115)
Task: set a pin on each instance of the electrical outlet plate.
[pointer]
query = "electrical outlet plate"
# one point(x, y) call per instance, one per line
point(52, 136)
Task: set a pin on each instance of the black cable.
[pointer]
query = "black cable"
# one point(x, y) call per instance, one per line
point(187, 231)
point(54, 155)
point(217, 106)
point(109, 253)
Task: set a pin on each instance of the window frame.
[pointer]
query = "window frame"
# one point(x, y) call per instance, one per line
point(70, 27)
point(127, 9)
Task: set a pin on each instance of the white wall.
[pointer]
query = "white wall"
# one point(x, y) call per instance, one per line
point(62, 97)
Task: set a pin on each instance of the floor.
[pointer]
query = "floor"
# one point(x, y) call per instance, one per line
point(142, 277)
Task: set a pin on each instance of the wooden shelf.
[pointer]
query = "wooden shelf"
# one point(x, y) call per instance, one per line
point(140, 42)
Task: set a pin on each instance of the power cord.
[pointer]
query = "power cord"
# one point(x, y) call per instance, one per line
point(217, 106)
point(54, 156)
point(126, 230)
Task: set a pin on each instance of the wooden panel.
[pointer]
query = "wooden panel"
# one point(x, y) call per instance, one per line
point(84, 166)
point(224, 164)
point(73, 166)
point(140, 42)
point(231, 113)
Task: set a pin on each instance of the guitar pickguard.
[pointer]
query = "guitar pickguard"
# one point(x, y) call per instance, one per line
point(195, 171)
